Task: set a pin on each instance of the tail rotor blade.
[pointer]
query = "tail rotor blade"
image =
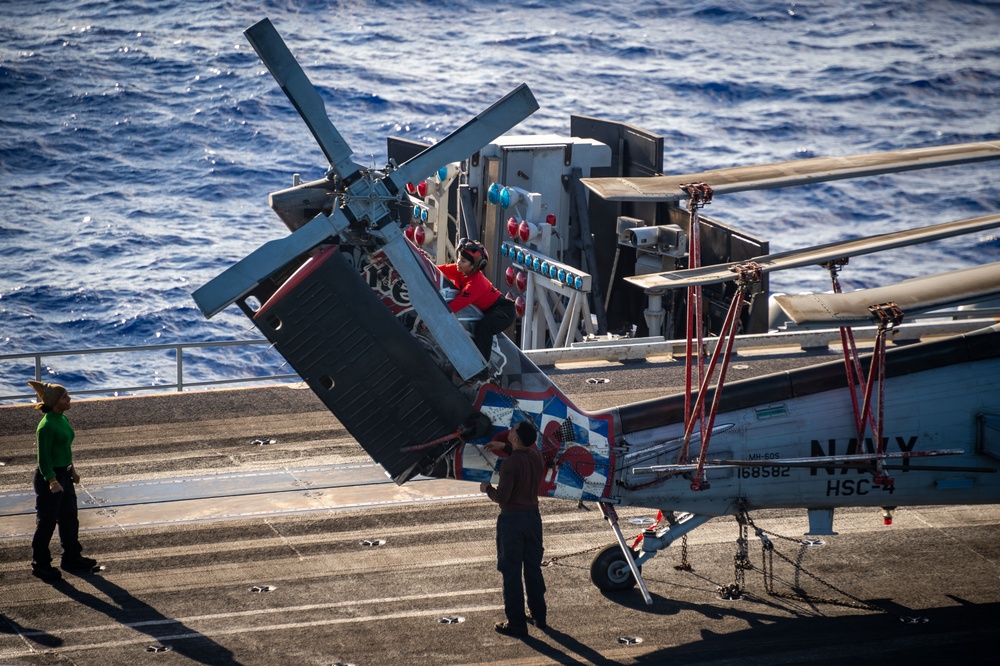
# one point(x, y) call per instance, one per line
point(426, 300)
point(272, 50)
point(501, 116)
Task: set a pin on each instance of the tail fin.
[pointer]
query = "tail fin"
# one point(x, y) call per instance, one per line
point(577, 446)
point(363, 364)
point(400, 398)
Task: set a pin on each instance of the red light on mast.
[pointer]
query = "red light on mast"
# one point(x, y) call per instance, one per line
point(527, 231)
point(512, 228)
point(419, 235)
point(508, 276)
point(519, 306)
point(524, 231)
point(422, 189)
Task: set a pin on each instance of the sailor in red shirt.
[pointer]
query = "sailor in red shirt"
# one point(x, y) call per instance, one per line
point(474, 288)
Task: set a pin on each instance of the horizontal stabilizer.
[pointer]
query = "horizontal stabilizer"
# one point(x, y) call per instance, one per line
point(816, 255)
point(787, 174)
point(297, 205)
point(911, 296)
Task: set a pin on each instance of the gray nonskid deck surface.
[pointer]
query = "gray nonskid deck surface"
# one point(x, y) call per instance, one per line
point(300, 551)
point(230, 496)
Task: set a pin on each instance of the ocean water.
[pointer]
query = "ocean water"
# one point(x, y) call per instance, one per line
point(139, 138)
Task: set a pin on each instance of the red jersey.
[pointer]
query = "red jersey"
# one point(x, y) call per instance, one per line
point(475, 289)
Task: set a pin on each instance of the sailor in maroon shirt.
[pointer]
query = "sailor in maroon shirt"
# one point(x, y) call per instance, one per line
point(519, 530)
point(474, 288)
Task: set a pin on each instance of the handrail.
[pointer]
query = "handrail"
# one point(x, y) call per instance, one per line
point(599, 350)
point(180, 384)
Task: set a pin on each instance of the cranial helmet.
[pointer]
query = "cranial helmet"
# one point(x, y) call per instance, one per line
point(475, 252)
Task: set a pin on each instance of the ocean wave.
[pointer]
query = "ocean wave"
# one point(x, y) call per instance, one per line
point(140, 139)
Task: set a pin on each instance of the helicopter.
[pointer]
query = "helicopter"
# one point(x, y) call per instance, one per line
point(360, 312)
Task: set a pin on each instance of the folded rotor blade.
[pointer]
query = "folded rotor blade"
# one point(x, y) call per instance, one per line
point(302, 93)
point(786, 174)
point(914, 296)
point(500, 117)
point(816, 255)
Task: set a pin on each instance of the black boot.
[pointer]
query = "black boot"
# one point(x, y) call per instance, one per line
point(46, 571)
point(78, 563)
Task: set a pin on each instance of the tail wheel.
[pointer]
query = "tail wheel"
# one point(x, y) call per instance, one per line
point(610, 571)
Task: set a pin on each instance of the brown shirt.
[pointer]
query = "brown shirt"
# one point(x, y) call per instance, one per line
point(520, 476)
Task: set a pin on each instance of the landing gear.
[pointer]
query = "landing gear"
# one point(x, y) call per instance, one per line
point(610, 571)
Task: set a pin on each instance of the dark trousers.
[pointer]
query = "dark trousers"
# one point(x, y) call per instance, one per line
point(51, 510)
point(519, 549)
point(496, 319)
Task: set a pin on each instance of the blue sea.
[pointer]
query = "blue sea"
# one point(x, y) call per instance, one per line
point(139, 139)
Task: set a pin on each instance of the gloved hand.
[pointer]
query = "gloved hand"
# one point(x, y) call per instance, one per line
point(74, 477)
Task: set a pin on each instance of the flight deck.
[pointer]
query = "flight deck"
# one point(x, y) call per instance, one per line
point(246, 527)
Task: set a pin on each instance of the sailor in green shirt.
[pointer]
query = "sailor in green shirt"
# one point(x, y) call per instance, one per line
point(55, 495)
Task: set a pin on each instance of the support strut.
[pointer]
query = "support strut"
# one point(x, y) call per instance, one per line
point(852, 359)
point(888, 316)
point(749, 275)
point(611, 516)
point(699, 194)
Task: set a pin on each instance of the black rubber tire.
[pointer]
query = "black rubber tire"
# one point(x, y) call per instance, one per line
point(610, 572)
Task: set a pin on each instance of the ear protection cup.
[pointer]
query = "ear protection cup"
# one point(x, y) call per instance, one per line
point(475, 252)
point(483, 260)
